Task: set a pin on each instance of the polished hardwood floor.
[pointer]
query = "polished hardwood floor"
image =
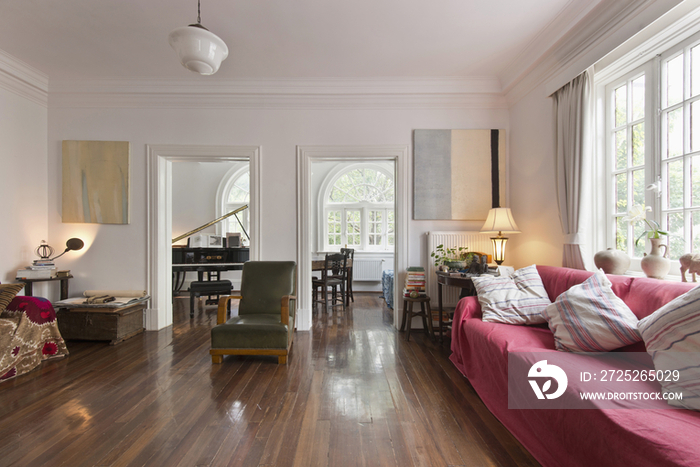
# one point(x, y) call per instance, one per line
point(354, 393)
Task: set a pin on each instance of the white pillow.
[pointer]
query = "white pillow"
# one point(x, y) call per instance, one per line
point(589, 317)
point(518, 299)
point(672, 337)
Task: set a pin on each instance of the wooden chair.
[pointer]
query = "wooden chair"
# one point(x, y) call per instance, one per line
point(266, 313)
point(350, 254)
point(333, 276)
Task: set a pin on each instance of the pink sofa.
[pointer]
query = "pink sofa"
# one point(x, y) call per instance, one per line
point(599, 437)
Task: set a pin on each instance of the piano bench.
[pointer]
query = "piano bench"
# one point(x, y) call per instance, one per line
point(208, 288)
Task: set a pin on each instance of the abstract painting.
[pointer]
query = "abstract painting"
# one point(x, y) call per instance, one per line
point(96, 182)
point(458, 174)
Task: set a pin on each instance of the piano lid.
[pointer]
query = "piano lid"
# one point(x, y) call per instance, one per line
point(225, 216)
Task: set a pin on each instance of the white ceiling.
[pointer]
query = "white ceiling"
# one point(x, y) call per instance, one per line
point(99, 39)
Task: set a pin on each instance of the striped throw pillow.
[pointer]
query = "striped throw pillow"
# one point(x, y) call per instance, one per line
point(589, 317)
point(7, 293)
point(672, 337)
point(518, 299)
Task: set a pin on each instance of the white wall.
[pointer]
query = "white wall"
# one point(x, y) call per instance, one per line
point(194, 194)
point(117, 256)
point(23, 187)
point(533, 190)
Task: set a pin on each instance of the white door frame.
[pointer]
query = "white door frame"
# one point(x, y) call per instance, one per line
point(306, 155)
point(159, 215)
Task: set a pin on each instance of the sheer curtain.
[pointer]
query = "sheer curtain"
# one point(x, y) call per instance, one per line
point(572, 126)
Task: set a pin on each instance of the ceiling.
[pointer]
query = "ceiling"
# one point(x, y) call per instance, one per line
point(285, 39)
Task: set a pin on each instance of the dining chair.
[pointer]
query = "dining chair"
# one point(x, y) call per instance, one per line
point(350, 254)
point(333, 276)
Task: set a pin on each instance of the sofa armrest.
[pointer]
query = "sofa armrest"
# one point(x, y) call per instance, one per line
point(467, 307)
point(221, 313)
point(285, 308)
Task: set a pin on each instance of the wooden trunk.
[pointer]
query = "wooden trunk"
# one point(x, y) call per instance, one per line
point(98, 324)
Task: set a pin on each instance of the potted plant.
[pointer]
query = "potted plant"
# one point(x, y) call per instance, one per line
point(453, 258)
point(654, 264)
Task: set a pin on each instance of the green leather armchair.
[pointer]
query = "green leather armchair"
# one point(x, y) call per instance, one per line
point(266, 313)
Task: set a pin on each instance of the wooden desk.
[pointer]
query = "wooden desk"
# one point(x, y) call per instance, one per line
point(64, 285)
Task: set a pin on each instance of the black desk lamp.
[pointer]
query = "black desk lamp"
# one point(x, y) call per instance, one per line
point(44, 251)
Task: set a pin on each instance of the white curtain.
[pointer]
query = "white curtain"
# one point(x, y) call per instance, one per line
point(572, 126)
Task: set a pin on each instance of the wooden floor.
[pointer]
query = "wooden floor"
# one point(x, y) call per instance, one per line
point(354, 393)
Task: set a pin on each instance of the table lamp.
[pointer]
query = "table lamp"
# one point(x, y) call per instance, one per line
point(499, 220)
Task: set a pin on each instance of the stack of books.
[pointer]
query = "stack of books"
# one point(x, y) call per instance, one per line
point(415, 281)
point(40, 269)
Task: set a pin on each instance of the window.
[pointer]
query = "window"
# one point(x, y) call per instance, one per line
point(653, 150)
point(358, 208)
point(236, 193)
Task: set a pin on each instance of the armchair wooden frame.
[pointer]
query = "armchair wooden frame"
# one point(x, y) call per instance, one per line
point(217, 355)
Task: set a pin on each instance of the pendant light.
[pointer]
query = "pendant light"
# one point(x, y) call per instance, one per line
point(199, 50)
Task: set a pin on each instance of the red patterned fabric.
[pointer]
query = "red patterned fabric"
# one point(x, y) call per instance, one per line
point(599, 438)
point(28, 335)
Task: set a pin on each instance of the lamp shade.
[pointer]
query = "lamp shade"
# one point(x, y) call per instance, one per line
point(500, 220)
point(199, 49)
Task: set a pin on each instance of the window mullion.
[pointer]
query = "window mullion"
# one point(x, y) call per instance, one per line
point(364, 238)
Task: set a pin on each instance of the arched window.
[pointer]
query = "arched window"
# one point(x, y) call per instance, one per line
point(234, 192)
point(358, 210)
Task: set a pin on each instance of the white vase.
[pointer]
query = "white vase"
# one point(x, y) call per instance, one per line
point(612, 261)
point(655, 264)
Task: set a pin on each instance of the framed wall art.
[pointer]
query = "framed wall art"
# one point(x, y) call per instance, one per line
point(96, 182)
point(458, 174)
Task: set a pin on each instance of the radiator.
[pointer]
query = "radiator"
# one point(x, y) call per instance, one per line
point(367, 269)
point(475, 241)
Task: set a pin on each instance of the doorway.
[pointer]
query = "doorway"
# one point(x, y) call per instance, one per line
point(307, 205)
point(159, 216)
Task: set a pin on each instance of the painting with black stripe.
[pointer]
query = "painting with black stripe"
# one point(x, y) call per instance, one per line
point(458, 174)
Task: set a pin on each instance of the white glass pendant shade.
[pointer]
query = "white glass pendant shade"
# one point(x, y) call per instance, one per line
point(199, 50)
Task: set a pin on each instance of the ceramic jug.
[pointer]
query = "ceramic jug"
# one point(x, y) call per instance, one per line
point(655, 264)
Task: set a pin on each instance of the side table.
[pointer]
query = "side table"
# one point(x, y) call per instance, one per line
point(409, 314)
point(463, 281)
point(64, 285)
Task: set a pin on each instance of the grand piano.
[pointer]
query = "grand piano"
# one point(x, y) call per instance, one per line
point(209, 260)
point(206, 260)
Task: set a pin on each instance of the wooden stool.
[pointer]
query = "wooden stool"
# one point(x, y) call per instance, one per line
point(424, 313)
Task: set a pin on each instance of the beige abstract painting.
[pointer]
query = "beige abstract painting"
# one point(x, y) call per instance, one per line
point(96, 182)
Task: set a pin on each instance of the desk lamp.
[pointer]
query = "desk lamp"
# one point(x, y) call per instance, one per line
point(499, 220)
point(44, 251)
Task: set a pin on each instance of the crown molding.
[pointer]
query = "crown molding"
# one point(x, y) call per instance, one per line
point(23, 80)
point(604, 27)
point(321, 93)
point(574, 12)
point(673, 28)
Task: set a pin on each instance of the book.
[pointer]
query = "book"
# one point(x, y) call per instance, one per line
point(28, 273)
